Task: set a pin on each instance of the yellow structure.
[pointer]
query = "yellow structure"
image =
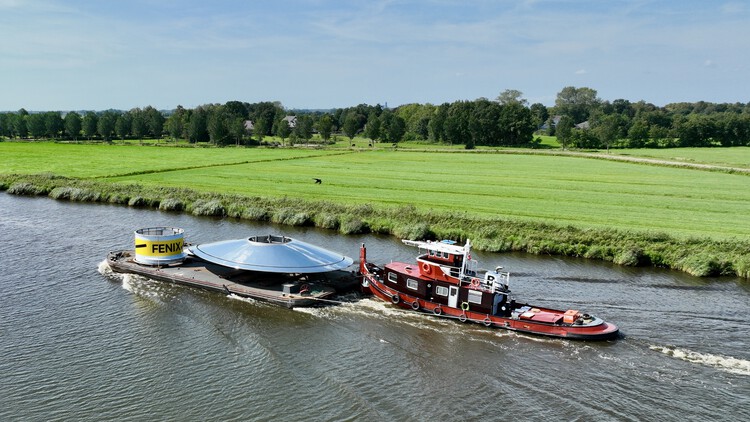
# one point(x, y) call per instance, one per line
point(159, 245)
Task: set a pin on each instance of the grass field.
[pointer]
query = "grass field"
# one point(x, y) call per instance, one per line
point(567, 194)
point(99, 160)
point(728, 157)
point(560, 190)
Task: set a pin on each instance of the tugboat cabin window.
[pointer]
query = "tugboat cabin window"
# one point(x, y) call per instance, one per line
point(441, 290)
point(393, 277)
point(412, 284)
point(475, 297)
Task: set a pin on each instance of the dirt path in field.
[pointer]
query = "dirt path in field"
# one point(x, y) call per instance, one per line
point(660, 162)
point(601, 156)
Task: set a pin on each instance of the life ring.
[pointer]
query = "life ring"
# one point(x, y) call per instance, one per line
point(304, 288)
point(487, 321)
point(395, 299)
point(426, 268)
point(437, 310)
point(415, 304)
point(462, 317)
point(465, 306)
point(474, 283)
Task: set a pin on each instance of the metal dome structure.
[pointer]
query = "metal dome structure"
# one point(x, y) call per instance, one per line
point(272, 254)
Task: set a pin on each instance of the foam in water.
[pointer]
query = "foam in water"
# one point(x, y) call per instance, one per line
point(241, 299)
point(724, 363)
point(104, 268)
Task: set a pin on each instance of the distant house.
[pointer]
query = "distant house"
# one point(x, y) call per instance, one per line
point(249, 125)
point(583, 125)
point(554, 119)
point(291, 121)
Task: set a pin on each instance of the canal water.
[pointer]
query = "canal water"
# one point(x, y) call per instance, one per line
point(80, 343)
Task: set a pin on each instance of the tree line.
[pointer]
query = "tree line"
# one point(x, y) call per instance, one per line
point(579, 119)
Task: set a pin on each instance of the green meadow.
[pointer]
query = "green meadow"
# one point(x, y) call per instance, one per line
point(506, 201)
point(738, 157)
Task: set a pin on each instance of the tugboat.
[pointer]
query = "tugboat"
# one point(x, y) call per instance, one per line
point(446, 282)
point(276, 269)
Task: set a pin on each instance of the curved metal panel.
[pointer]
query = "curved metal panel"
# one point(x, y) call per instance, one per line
point(274, 254)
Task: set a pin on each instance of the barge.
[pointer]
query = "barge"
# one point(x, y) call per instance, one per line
point(445, 282)
point(276, 269)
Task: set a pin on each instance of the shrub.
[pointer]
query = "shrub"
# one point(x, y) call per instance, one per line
point(25, 188)
point(171, 204)
point(118, 198)
point(291, 217)
point(325, 220)
point(235, 210)
point(632, 257)
point(352, 225)
point(74, 194)
point(137, 201)
point(212, 208)
point(418, 231)
point(255, 213)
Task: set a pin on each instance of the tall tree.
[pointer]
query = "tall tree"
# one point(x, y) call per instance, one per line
point(436, 127)
point(73, 125)
point(53, 123)
point(609, 129)
point(392, 127)
point(577, 103)
point(564, 130)
point(5, 124)
point(197, 126)
point(304, 127)
point(20, 126)
point(457, 123)
point(485, 122)
point(90, 123)
point(351, 125)
point(122, 125)
point(236, 127)
point(511, 96)
point(325, 126)
point(372, 128)
point(218, 132)
point(137, 123)
point(36, 124)
point(539, 114)
point(283, 130)
point(154, 122)
point(516, 125)
point(175, 124)
point(106, 125)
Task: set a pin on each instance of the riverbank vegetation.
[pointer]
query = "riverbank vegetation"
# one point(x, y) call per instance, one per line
point(628, 213)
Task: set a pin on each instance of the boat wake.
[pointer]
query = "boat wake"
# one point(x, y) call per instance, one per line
point(104, 269)
point(135, 284)
point(723, 363)
point(241, 298)
point(373, 308)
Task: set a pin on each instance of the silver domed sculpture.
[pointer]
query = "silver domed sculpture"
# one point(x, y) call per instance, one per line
point(271, 254)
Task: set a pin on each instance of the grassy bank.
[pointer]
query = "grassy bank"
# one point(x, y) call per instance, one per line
point(630, 213)
point(697, 256)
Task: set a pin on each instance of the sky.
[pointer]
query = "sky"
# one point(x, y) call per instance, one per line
point(321, 54)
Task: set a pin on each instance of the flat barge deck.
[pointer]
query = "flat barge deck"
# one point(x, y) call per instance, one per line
point(289, 290)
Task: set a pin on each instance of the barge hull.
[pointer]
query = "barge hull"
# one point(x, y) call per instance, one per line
point(207, 276)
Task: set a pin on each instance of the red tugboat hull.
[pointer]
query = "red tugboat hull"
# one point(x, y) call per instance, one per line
point(422, 291)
